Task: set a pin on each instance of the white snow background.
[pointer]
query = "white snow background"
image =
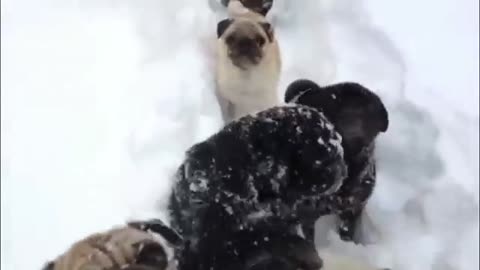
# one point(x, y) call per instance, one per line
point(100, 99)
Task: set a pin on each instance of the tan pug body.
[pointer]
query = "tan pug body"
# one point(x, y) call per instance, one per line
point(131, 247)
point(114, 248)
point(248, 63)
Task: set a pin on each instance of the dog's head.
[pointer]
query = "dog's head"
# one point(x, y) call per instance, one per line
point(357, 113)
point(245, 40)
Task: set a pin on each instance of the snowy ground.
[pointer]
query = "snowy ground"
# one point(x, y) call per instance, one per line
point(101, 98)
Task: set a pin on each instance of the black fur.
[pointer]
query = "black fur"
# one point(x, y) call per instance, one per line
point(222, 26)
point(359, 116)
point(260, 248)
point(266, 171)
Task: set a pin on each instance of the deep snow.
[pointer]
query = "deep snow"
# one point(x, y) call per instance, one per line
point(101, 98)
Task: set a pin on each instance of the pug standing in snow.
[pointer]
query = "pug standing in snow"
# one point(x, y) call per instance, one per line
point(359, 116)
point(138, 246)
point(248, 63)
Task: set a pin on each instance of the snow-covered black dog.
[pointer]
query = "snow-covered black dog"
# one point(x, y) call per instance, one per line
point(273, 171)
point(254, 174)
point(359, 116)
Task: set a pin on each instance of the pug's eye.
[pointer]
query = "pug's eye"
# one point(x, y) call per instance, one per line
point(260, 40)
point(230, 39)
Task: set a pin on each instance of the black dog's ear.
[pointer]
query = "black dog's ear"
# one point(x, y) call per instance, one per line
point(157, 226)
point(222, 26)
point(267, 27)
point(298, 88)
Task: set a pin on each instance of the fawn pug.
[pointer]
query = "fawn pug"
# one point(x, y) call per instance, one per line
point(248, 63)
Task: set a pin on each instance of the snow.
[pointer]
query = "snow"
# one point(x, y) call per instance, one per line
point(100, 99)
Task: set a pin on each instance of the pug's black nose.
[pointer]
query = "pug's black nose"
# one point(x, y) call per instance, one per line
point(245, 45)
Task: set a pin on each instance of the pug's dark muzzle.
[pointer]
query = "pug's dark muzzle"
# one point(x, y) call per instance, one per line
point(245, 51)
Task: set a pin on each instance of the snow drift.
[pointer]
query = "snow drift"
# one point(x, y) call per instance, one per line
point(101, 98)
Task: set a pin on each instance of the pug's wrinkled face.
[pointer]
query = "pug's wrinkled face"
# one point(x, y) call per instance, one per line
point(246, 41)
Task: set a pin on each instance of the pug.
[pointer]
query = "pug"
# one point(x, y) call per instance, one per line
point(248, 64)
point(137, 246)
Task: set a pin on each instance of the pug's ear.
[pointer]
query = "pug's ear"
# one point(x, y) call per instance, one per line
point(222, 26)
point(267, 27)
point(159, 227)
point(151, 253)
point(49, 266)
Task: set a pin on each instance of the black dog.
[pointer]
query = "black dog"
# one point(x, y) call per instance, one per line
point(359, 116)
point(281, 168)
point(257, 171)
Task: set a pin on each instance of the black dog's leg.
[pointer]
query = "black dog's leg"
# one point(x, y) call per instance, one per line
point(352, 198)
point(348, 221)
point(308, 229)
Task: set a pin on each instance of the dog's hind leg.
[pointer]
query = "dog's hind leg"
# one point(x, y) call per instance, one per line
point(308, 229)
point(348, 223)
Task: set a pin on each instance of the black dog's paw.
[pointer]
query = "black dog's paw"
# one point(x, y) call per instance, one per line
point(159, 227)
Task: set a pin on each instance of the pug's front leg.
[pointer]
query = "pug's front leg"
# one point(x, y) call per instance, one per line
point(227, 109)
